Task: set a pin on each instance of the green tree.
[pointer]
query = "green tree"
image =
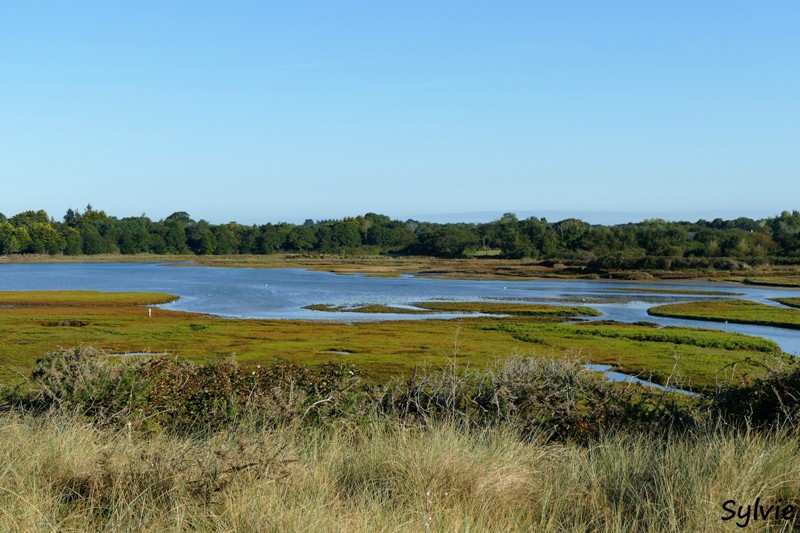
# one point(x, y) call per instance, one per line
point(226, 239)
point(272, 238)
point(73, 244)
point(301, 238)
point(201, 239)
point(571, 232)
point(45, 239)
point(134, 235)
point(9, 240)
point(27, 219)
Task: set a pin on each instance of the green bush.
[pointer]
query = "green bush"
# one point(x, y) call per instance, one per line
point(772, 399)
point(529, 395)
point(172, 394)
point(557, 396)
point(84, 378)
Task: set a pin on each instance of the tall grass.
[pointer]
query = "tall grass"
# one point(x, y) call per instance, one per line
point(530, 445)
point(60, 473)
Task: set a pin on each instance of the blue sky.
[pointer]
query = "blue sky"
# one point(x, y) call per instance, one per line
point(262, 111)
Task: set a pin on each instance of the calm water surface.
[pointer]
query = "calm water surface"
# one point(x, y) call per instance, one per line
point(282, 293)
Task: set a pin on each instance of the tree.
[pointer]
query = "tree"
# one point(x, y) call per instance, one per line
point(45, 239)
point(201, 239)
point(73, 244)
point(181, 217)
point(27, 219)
point(226, 239)
point(91, 239)
point(301, 238)
point(570, 232)
point(9, 240)
point(72, 218)
point(450, 240)
point(134, 235)
point(272, 238)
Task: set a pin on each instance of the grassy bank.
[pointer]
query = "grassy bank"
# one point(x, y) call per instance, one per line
point(62, 474)
point(739, 311)
point(791, 302)
point(35, 323)
point(775, 281)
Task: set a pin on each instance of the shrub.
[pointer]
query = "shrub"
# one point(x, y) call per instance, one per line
point(557, 396)
point(173, 394)
point(529, 395)
point(771, 399)
point(83, 378)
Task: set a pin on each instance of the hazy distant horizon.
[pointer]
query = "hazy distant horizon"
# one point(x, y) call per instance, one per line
point(552, 215)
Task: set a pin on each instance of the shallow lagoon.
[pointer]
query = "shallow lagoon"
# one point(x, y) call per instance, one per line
point(282, 293)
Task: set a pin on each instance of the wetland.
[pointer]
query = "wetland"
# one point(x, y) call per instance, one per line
point(386, 325)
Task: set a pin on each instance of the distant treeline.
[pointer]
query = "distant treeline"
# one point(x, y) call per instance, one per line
point(653, 243)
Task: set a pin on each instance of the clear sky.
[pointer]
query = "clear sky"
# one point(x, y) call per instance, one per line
point(264, 111)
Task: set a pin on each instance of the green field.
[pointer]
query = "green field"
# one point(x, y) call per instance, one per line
point(34, 323)
point(738, 311)
point(791, 302)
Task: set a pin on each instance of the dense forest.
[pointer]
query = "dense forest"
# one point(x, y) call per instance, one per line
point(651, 243)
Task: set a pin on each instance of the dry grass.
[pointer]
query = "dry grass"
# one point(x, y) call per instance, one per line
point(60, 474)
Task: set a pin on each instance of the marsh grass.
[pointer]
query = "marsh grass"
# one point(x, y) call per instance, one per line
point(546, 312)
point(61, 473)
point(41, 322)
point(791, 302)
point(739, 311)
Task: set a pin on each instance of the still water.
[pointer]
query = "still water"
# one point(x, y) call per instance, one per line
point(282, 293)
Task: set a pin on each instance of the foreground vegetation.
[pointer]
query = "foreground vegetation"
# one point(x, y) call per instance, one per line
point(32, 323)
point(739, 311)
point(530, 444)
point(63, 474)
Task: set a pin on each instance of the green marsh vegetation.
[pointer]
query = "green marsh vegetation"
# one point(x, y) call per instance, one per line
point(542, 312)
point(740, 311)
point(791, 302)
point(35, 323)
point(776, 281)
